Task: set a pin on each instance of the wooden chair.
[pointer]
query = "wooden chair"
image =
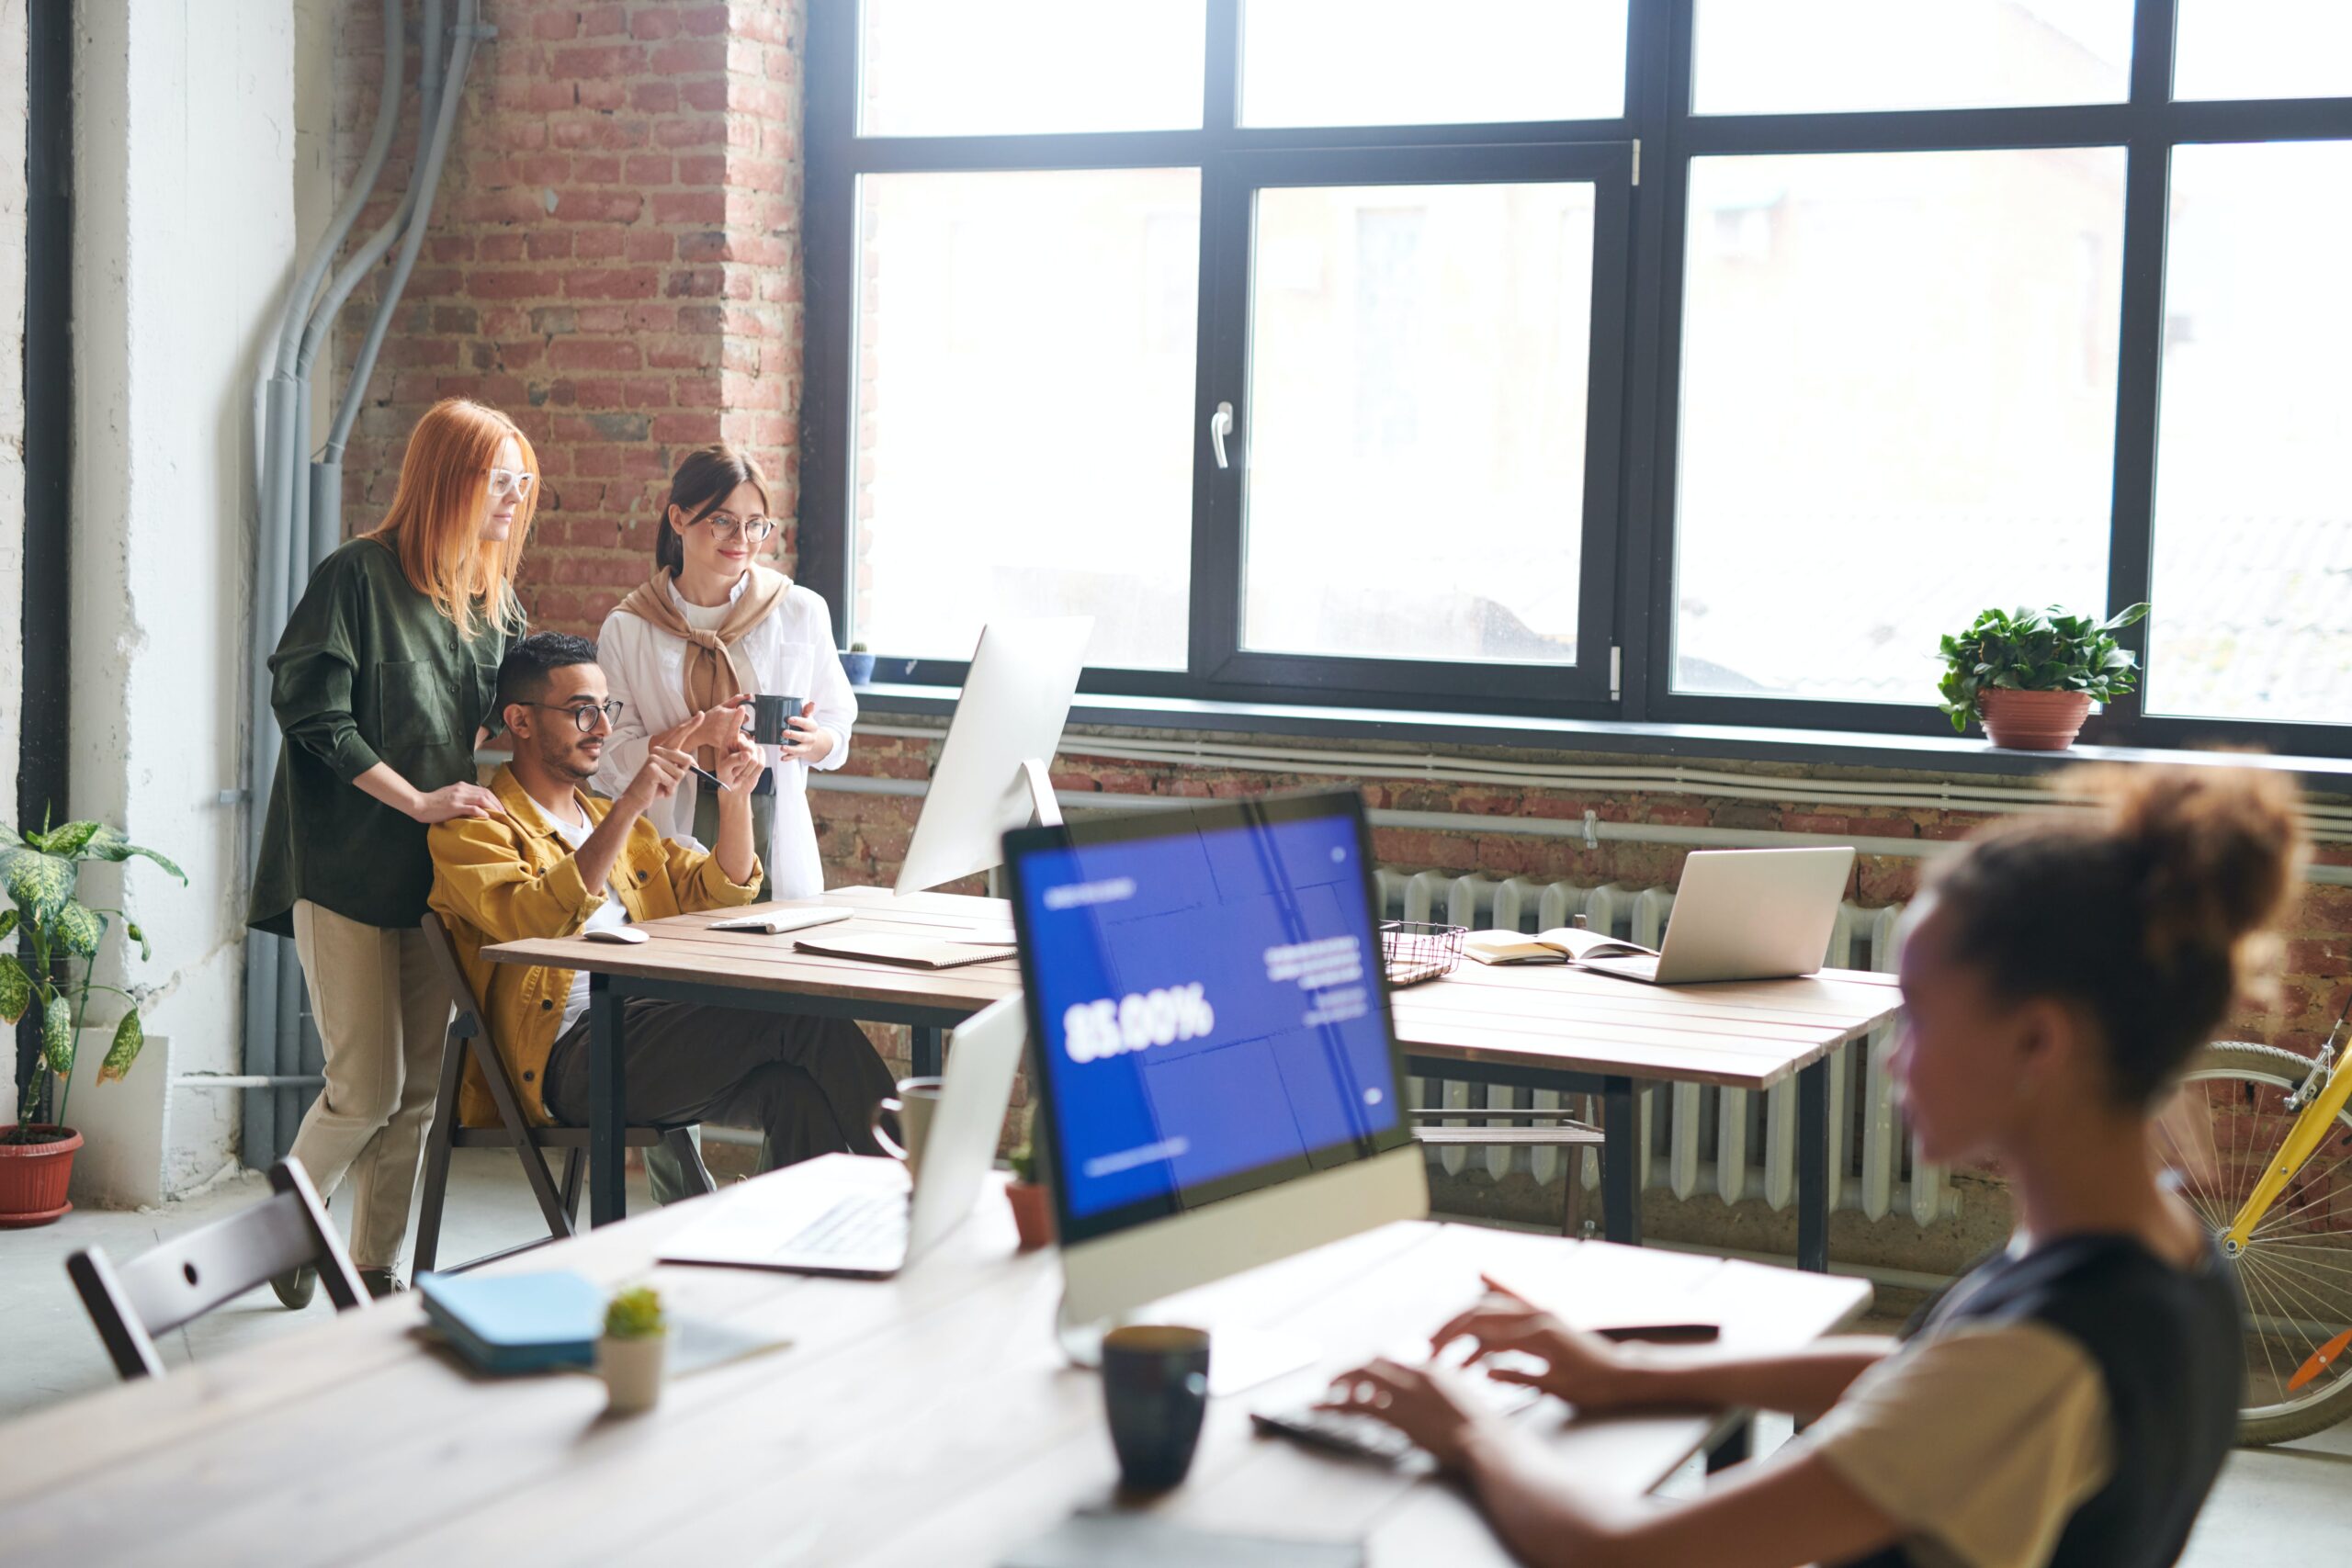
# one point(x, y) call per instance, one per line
point(470, 1035)
point(185, 1277)
point(1545, 1129)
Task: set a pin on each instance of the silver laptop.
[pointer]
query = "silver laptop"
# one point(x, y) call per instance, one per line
point(851, 1216)
point(1744, 915)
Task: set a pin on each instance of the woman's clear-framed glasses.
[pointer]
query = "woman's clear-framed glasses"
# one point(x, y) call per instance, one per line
point(584, 714)
point(517, 483)
point(725, 526)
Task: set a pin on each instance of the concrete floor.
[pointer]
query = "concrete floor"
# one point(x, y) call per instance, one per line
point(2272, 1505)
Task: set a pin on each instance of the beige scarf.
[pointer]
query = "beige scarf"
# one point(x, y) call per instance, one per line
point(713, 673)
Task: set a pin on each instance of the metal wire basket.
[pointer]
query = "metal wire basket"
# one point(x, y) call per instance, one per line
point(1415, 950)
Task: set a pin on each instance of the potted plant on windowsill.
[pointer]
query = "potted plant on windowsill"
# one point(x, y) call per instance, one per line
point(42, 872)
point(2030, 676)
point(1032, 1216)
point(858, 664)
point(629, 1356)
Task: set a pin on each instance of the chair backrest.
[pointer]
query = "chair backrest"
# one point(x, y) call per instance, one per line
point(183, 1279)
point(472, 1026)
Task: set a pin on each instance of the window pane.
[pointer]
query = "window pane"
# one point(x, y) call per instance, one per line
point(2262, 49)
point(1416, 458)
point(1898, 408)
point(1024, 408)
point(1829, 56)
point(2253, 571)
point(961, 68)
point(1400, 63)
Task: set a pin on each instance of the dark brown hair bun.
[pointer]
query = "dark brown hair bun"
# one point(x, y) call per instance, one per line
point(2152, 910)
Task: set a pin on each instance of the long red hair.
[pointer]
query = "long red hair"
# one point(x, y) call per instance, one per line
point(435, 523)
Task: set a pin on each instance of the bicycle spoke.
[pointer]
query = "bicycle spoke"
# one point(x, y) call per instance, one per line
point(2277, 1217)
point(2253, 1287)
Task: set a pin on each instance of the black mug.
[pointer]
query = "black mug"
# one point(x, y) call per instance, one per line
point(769, 719)
point(1156, 1392)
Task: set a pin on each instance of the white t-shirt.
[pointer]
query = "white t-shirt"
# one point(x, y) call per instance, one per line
point(609, 915)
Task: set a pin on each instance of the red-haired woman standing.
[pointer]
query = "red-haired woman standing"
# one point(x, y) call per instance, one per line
point(381, 682)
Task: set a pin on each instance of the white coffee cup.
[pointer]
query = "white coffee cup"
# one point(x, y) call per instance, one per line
point(911, 1111)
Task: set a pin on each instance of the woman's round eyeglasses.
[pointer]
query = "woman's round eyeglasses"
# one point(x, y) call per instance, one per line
point(584, 714)
point(725, 526)
point(517, 483)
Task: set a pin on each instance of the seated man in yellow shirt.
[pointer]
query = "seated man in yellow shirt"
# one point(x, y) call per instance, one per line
point(555, 860)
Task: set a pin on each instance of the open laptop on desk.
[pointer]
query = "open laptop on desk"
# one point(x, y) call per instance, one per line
point(1742, 915)
point(830, 1216)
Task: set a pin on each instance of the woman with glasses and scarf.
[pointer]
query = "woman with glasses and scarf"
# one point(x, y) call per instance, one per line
point(713, 626)
point(381, 682)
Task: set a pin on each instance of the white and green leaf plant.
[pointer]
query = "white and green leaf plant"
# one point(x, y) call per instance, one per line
point(41, 876)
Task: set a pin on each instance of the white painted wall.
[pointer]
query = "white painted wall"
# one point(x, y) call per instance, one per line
point(12, 427)
point(183, 227)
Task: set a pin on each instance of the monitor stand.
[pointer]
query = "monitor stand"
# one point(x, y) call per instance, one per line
point(1239, 1358)
point(1045, 811)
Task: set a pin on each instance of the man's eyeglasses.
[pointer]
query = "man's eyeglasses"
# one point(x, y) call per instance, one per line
point(517, 483)
point(584, 714)
point(725, 526)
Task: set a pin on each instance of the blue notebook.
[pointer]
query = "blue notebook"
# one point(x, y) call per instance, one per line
point(517, 1322)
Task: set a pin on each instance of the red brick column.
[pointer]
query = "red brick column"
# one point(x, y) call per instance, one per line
point(614, 260)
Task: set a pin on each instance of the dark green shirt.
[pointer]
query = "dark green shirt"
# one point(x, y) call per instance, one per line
point(368, 672)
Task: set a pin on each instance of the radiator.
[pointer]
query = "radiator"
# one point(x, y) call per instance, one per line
point(1695, 1139)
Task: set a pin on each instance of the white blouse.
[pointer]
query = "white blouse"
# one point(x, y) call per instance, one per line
point(789, 654)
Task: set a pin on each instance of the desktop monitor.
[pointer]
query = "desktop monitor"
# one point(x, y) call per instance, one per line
point(1218, 1078)
point(991, 772)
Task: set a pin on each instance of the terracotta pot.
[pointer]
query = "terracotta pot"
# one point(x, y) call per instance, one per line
point(33, 1177)
point(1032, 1216)
point(2032, 721)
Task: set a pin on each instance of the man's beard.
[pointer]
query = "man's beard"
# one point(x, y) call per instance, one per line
point(564, 762)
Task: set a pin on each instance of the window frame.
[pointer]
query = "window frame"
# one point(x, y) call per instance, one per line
point(1626, 593)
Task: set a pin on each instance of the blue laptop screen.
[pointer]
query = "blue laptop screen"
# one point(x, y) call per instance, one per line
point(1208, 1005)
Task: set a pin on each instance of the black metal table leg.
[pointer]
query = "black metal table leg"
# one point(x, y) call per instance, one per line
point(1621, 1153)
point(926, 1053)
point(1812, 1167)
point(607, 1201)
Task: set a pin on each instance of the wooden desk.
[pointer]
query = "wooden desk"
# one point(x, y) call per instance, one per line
point(1550, 1026)
point(1559, 1027)
point(923, 1420)
point(686, 962)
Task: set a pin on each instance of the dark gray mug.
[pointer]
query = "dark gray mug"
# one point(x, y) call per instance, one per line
point(1156, 1392)
point(769, 716)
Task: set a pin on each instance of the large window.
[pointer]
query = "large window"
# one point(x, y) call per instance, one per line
point(1687, 361)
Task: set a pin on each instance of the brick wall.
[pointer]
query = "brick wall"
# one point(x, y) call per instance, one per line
point(612, 260)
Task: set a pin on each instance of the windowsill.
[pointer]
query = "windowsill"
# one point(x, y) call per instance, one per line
point(1918, 753)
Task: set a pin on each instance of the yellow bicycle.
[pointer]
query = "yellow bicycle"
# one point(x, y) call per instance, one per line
point(2262, 1140)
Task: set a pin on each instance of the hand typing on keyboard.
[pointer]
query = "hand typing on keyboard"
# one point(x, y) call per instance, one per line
point(1517, 1342)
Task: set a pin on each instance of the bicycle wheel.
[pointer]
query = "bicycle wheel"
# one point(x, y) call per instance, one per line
point(2296, 1269)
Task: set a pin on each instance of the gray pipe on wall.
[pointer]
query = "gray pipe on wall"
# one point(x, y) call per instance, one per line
point(301, 514)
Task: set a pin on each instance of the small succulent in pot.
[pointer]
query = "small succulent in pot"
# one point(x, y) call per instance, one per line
point(630, 1355)
point(858, 664)
point(1032, 1212)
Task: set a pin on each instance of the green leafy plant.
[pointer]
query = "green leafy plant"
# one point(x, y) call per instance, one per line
point(42, 874)
point(635, 1314)
point(857, 648)
point(1024, 1161)
point(2037, 650)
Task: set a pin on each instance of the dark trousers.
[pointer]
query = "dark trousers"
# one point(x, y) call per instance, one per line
point(808, 1084)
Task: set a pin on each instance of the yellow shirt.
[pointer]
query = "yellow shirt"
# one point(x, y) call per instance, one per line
point(512, 876)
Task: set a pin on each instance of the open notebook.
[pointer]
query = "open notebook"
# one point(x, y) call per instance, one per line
point(1563, 944)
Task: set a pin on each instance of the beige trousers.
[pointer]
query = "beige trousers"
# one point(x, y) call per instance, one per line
point(383, 1020)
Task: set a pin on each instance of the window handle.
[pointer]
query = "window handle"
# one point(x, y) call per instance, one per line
point(1220, 426)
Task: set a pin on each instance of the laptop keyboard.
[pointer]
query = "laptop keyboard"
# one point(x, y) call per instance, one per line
point(859, 1226)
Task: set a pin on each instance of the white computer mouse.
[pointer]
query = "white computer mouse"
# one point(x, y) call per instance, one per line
point(615, 933)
